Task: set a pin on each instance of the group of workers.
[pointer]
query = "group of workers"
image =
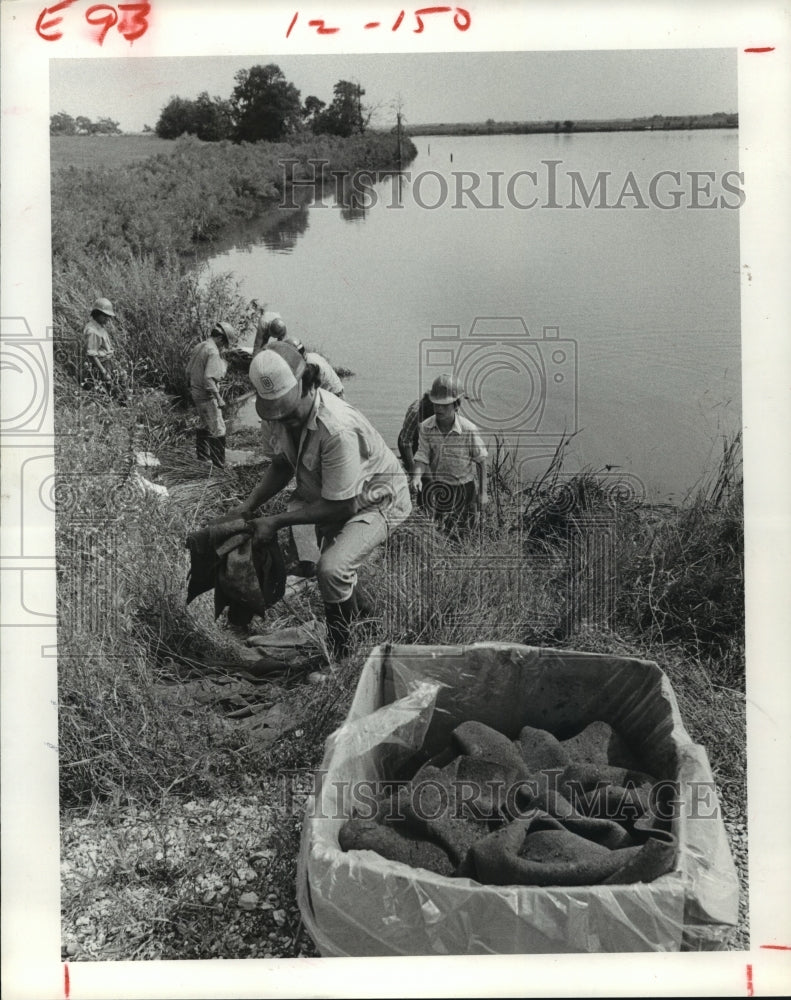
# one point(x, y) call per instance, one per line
point(351, 490)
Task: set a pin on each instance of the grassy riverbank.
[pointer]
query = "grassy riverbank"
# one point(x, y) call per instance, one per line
point(175, 808)
point(173, 795)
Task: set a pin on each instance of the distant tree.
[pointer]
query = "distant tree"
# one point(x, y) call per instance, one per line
point(84, 125)
point(212, 118)
point(264, 104)
point(147, 128)
point(345, 115)
point(105, 126)
point(311, 109)
point(175, 118)
point(62, 124)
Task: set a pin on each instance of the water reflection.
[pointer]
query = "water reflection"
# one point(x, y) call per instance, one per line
point(280, 229)
point(286, 228)
point(355, 200)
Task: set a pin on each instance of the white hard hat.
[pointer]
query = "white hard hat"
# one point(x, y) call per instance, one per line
point(103, 306)
point(276, 374)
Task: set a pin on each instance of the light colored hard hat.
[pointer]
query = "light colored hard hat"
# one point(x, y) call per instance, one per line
point(276, 376)
point(445, 389)
point(277, 328)
point(103, 306)
point(295, 343)
point(225, 330)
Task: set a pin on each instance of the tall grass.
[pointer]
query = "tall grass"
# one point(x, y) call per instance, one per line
point(162, 311)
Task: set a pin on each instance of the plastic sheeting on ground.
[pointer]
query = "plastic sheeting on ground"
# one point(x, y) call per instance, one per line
point(409, 699)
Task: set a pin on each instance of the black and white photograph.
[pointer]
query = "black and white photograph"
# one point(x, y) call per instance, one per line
point(389, 518)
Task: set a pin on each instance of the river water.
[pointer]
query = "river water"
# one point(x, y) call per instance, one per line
point(617, 319)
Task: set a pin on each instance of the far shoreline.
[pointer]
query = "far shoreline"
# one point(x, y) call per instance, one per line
point(655, 123)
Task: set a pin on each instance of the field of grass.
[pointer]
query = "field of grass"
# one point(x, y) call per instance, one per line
point(105, 152)
point(177, 838)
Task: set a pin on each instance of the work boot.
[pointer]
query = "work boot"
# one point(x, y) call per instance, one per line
point(361, 603)
point(217, 451)
point(202, 444)
point(363, 612)
point(338, 617)
point(305, 568)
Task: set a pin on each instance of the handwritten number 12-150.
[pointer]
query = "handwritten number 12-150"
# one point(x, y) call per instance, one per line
point(461, 19)
point(131, 20)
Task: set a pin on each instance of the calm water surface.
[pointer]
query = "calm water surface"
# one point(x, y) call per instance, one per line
point(619, 323)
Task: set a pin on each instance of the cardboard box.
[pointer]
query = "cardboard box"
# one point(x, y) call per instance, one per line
point(361, 904)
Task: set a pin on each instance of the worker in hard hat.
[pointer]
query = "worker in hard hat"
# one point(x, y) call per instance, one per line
point(99, 353)
point(270, 326)
point(205, 369)
point(271, 329)
point(329, 377)
point(349, 484)
point(304, 535)
point(450, 449)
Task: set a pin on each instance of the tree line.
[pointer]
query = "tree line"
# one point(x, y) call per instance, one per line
point(265, 105)
point(63, 124)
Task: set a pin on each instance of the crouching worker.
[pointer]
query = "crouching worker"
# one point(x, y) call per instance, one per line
point(349, 484)
point(205, 368)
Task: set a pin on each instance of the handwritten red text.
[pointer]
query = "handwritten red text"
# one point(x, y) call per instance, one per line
point(461, 20)
point(129, 19)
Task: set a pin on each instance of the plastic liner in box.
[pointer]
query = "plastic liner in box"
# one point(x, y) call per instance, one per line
point(358, 903)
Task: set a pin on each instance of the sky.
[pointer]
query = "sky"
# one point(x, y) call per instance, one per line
point(431, 87)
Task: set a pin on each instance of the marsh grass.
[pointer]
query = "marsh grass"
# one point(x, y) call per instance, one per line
point(130, 742)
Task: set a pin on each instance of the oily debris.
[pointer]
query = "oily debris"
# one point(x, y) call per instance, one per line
point(503, 812)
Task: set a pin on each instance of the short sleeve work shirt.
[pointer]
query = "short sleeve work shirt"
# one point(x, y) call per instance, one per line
point(451, 457)
point(97, 340)
point(340, 456)
point(205, 363)
point(329, 377)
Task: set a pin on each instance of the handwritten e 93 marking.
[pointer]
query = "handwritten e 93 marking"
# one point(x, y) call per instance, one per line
point(130, 19)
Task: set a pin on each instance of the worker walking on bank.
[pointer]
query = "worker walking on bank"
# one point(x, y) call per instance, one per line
point(451, 450)
point(349, 484)
point(205, 368)
point(100, 362)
